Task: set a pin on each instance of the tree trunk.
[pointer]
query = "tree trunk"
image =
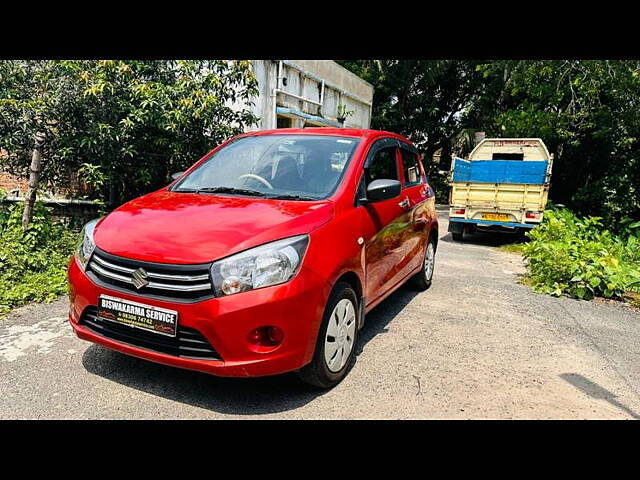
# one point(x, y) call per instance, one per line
point(505, 91)
point(445, 156)
point(34, 177)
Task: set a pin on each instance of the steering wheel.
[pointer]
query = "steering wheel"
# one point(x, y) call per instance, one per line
point(257, 177)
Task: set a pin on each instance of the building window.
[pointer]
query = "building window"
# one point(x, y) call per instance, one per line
point(283, 122)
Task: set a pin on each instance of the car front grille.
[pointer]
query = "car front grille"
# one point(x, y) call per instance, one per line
point(188, 343)
point(155, 280)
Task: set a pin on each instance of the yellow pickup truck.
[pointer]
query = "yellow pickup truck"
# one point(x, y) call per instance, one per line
point(502, 186)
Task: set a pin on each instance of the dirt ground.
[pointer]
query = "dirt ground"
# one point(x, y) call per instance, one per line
point(476, 345)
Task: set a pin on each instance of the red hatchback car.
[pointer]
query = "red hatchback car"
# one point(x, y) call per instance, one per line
point(263, 257)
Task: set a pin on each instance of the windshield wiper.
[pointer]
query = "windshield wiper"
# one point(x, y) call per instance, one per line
point(290, 197)
point(242, 191)
point(238, 191)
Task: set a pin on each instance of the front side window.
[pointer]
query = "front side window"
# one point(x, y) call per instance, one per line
point(383, 165)
point(308, 167)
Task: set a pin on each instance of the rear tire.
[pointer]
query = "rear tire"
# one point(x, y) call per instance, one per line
point(422, 280)
point(334, 354)
point(521, 235)
point(457, 236)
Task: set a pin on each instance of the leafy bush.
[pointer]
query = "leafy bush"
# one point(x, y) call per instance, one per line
point(578, 257)
point(125, 124)
point(33, 263)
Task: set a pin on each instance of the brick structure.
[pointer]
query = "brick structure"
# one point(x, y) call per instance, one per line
point(9, 183)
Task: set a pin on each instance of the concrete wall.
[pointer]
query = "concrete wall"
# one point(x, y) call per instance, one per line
point(304, 78)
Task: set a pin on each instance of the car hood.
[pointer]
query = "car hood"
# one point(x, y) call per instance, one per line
point(185, 228)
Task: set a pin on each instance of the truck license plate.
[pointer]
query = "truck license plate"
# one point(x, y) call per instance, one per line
point(496, 217)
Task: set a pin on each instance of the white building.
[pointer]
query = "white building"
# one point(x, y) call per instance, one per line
point(310, 93)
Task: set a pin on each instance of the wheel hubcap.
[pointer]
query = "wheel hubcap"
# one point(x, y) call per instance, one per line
point(341, 331)
point(429, 261)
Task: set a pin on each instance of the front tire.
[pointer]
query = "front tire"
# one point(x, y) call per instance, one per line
point(337, 339)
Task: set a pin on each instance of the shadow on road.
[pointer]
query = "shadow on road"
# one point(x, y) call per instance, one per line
point(377, 320)
point(232, 396)
point(490, 239)
point(596, 391)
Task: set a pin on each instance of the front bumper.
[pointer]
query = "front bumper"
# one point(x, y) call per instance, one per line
point(296, 307)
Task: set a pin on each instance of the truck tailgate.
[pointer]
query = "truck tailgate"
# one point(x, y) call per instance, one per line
point(503, 196)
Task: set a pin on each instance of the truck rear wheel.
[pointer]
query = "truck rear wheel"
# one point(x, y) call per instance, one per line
point(457, 236)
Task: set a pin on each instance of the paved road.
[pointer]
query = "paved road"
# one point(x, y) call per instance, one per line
point(476, 345)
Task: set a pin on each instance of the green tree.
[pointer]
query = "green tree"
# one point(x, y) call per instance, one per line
point(428, 101)
point(36, 99)
point(586, 112)
point(424, 100)
point(124, 125)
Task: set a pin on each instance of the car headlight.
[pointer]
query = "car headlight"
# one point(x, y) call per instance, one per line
point(263, 266)
point(86, 245)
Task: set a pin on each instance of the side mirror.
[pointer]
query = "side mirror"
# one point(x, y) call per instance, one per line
point(177, 175)
point(383, 189)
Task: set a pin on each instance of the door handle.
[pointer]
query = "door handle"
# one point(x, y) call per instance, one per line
point(405, 203)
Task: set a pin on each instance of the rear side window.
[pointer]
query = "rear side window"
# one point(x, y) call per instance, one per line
point(383, 165)
point(411, 168)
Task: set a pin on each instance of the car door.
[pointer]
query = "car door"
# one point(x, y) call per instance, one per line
point(382, 223)
point(419, 202)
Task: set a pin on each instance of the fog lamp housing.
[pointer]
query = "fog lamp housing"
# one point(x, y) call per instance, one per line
point(266, 337)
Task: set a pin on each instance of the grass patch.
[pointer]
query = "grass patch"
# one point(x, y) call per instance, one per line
point(513, 248)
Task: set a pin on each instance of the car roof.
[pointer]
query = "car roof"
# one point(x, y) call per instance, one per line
point(345, 132)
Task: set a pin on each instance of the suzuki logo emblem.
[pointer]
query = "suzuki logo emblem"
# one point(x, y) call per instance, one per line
point(139, 278)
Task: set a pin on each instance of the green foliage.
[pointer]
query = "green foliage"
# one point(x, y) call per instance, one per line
point(440, 185)
point(126, 125)
point(578, 257)
point(4, 210)
point(586, 111)
point(92, 175)
point(343, 112)
point(422, 99)
point(33, 262)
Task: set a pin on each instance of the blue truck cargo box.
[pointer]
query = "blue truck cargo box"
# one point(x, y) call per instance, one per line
point(500, 171)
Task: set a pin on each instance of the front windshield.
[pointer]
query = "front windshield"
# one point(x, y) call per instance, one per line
point(305, 167)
